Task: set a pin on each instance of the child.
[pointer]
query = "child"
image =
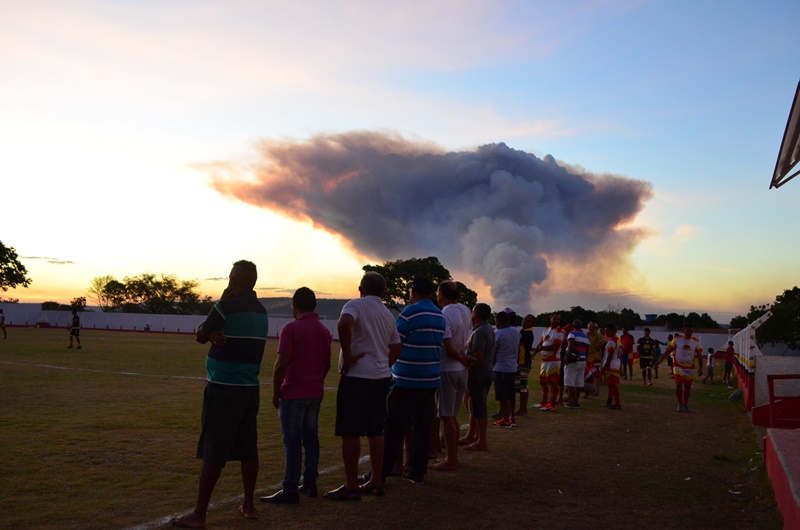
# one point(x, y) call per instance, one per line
point(611, 365)
point(726, 377)
point(710, 366)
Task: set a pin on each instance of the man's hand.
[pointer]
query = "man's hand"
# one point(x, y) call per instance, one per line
point(217, 337)
point(349, 360)
point(276, 400)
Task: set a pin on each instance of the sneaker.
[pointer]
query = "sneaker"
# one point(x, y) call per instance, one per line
point(615, 407)
point(546, 408)
point(497, 416)
point(308, 491)
point(411, 477)
point(572, 405)
point(540, 405)
point(511, 424)
point(363, 479)
point(499, 423)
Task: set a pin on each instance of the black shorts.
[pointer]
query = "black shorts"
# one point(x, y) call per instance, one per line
point(504, 385)
point(229, 424)
point(478, 387)
point(645, 363)
point(75, 332)
point(361, 406)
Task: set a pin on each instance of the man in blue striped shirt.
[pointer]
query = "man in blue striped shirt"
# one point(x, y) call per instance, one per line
point(416, 374)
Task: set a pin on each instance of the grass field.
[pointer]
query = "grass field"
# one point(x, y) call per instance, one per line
point(104, 437)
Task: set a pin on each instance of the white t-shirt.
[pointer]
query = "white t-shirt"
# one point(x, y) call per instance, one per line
point(458, 319)
point(506, 347)
point(374, 329)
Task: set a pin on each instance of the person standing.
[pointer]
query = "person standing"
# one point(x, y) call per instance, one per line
point(369, 345)
point(416, 374)
point(237, 328)
point(480, 350)
point(574, 376)
point(686, 350)
point(454, 371)
point(611, 366)
point(729, 354)
point(594, 356)
point(75, 329)
point(3, 324)
point(646, 347)
point(507, 338)
point(626, 343)
point(298, 382)
point(524, 364)
point(550, 371)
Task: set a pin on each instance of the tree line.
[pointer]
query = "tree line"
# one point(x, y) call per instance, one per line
point(166, 294)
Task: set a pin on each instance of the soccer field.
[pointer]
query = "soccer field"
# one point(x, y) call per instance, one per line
point(105, 437)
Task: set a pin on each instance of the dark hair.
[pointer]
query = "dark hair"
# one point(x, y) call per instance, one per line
point(501, 318)
point(249, 273)
point(611, 327)
point(483, 311)
point(304, 300)
point(422, 285)
point(647, 329)
point(373, 284)
point(449, 290)
point(730, 343)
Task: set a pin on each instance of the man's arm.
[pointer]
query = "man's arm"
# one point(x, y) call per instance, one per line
point(345, 328)
point(450, 350)
point(278, 373)
point(394, 352)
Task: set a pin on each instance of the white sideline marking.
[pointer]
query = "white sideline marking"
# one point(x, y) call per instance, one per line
point(134, 374)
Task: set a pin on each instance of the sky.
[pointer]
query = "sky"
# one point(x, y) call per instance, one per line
point(593, 153)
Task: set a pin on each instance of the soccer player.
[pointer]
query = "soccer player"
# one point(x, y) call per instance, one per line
point(75, 329)
point(646, 347)
point(611, 365)
point(686, 349)
point(550, 371)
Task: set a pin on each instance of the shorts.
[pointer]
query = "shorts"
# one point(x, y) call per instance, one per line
point(504, 385)
point(521, 380)
point(683, 375)
point(645, 363)
point(361, 406)
point(728, 367)
point(478, 387)
point(450, 395)
point(623, 359)
point(550, 372)
point(229, 424)
point(612, 378)
point(710, 371)
point(75, 332)
point(574, 374)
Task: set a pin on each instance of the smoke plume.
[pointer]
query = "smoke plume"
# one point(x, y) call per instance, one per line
point(502, 215)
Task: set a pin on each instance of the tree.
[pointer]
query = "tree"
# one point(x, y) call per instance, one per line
point(400, 273)
point(97, 293)
point(150, 293)
point(12, 273)
point(739, 322)
point(78, 303)
point(784, 324)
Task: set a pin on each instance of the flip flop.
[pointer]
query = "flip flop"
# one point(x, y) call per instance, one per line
point(343, 494)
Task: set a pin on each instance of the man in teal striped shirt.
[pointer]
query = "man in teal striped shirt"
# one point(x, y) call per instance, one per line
point(237, 328)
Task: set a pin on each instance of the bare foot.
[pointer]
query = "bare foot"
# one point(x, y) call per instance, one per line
point(248, 513)
point(443, 465)
point(476, 447)
point(190, 520)
point(521, 412)
point(467, 441)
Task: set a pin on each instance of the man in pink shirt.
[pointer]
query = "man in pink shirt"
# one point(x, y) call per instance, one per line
point(304, 358)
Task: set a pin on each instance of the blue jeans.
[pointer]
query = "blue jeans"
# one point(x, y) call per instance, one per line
point(299, 419)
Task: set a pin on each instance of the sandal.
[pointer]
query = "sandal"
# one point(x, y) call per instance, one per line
point(372, 489)
point(343, 494)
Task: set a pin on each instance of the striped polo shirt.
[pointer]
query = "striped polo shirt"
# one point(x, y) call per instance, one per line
point(243, 320)
point(421, 327)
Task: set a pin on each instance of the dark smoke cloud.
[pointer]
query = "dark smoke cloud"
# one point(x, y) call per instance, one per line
point(500, 214)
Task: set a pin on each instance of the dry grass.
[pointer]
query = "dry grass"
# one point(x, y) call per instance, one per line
point(88, 446)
